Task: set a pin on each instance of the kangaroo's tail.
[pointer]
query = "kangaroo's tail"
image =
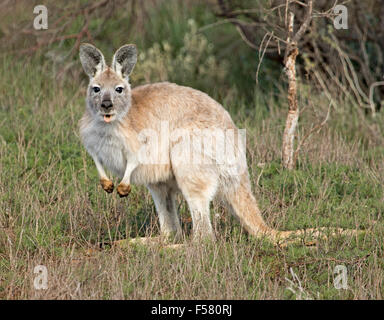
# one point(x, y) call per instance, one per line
point(245, 208)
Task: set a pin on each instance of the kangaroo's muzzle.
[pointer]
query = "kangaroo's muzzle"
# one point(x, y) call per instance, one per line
point(106, 104)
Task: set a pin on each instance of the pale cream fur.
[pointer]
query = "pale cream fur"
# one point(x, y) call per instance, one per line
point(115, 145)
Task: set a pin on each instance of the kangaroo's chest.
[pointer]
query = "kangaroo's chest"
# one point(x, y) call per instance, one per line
point(110, 148)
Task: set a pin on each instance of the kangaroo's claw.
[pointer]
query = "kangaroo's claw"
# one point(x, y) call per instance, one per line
point(123, 190)
point(107, 185)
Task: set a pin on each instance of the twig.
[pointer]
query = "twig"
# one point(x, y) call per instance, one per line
point(317, 128)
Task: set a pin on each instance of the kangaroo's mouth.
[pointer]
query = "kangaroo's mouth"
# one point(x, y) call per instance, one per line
point(108, 117)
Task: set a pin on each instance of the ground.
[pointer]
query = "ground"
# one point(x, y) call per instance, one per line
point(55, 213)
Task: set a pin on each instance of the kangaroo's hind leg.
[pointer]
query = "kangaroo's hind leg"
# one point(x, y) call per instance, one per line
point(198, 188)
point(164, 197)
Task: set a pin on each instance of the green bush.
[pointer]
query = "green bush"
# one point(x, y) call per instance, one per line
point(194, 64)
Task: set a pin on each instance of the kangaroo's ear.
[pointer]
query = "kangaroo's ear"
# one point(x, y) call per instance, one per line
point(124, 60)
point(91, 59)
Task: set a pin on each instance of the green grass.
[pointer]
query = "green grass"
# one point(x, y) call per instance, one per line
point(53, 210)
point(54, 213)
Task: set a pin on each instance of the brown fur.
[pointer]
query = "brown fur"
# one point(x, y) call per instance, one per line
point(123, 190)
point(107, 185)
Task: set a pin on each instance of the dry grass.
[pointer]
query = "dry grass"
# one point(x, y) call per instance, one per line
point(53, 212)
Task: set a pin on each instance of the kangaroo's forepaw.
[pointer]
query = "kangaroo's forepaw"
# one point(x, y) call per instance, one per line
point(123, 189)
point(107, 185)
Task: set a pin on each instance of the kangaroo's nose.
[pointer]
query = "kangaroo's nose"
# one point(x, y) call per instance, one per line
point(106, 104)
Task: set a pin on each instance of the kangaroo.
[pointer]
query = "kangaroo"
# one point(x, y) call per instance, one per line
point(112, 129)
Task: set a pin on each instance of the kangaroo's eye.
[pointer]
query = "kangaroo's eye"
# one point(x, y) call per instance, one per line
point(96, 89)
point(119, 89)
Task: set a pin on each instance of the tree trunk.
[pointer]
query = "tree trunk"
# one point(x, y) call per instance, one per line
point(293, 113)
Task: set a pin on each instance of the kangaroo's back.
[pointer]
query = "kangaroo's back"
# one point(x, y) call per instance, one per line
point(180, 106)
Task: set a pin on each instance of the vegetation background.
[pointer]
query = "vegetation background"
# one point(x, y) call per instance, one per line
point(54, 213)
